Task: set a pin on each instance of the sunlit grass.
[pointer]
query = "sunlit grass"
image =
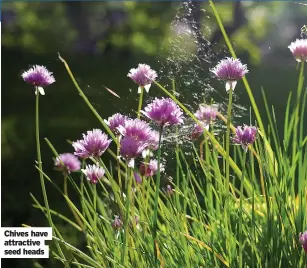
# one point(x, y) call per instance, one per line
point(193, 226)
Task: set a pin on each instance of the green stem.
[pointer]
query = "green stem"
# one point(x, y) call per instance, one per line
point(140, 102)
point(126, 220)
point(95, 206)
point(301, 183)
point(155, 216)
point(97, 246)
point(227, 171)
point(40, 166)
point(82, 187)
point(106, 127)
point(228, 141)
point(118, 162)
point(253, 224)
point(72, 210)
point(201, 149)
point(215, 142)
point(233, 54)
point(241, 214)
point(39, 159)
point(297, 109)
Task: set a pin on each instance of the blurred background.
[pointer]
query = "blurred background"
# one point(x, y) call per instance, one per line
point(102, 41)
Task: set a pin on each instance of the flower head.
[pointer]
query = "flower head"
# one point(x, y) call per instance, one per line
point(93, 173)
point(136, 129)
point(154, 140)
point(230, 70)
point(143, 76)
point(130, 148)
point(115, 121)
point(151, 168)
point(117, 223)
point(299, 49)
point(245, 136)
point(137, 136)
point(94, 144)
point(153, 144)
point(67, 162)
point(164, 112)
point(199, 130)
point(303, 240)
point(169, 189)
point(206, 113)
point(137, 177)
point(39, 77)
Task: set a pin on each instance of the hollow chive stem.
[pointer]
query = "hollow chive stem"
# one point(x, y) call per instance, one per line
point(126, 220)
point(241, 214)
point(140, 102)
point(155, 216)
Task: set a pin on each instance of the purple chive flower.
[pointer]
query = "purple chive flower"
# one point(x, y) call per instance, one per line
point(230, 70)
point(117, 223)
point(130, 148)
point(169, 189)
point(164, 112)
point(39, 77)
point(93, 173)
point(245, 136)
point(299, 49)
point(136, 129)
point(94, 144)
point(143, 76)
point(137, 177)
point(115, 121)
point(138, 135)
point(206, 113)
point(199, 130)
point(151, 168)
point(67, 162)
point(154, 140)
point(153, 144)
point(303, 240)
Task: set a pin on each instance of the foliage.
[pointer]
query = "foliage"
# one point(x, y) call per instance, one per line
point(264, 213)
point(274, 218)
point(89, 27)
point(86, 27)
